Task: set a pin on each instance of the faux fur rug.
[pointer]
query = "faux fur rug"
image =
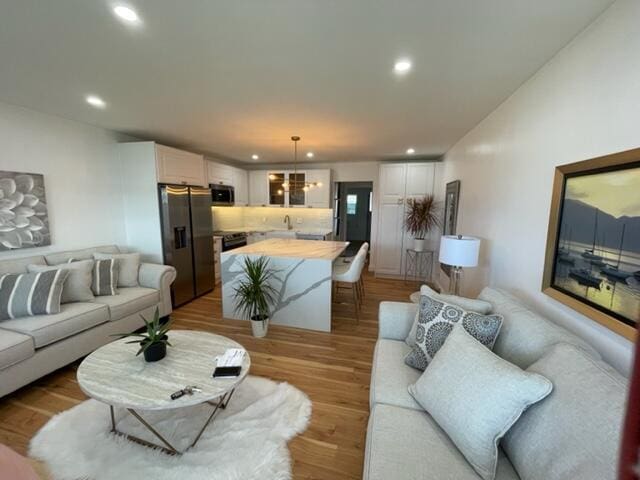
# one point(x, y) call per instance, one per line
point(248, 440)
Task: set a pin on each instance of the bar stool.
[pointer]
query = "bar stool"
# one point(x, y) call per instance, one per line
point(351, 273)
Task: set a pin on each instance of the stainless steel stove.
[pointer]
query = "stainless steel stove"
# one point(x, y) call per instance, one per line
point(231, 240)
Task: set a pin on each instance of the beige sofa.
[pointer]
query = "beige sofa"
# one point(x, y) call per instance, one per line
point(572, 434)
point(31, 347)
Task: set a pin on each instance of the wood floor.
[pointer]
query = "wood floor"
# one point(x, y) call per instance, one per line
point(333, 369)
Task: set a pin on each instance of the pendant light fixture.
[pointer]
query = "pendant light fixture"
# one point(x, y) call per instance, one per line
point(295, 185)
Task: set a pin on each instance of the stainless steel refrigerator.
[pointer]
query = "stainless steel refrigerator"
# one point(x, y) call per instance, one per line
point(187, 237)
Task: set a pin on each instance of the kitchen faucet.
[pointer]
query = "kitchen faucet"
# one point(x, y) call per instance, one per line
point(287, 220)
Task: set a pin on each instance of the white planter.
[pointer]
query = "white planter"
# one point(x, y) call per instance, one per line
point(259, 327)
point(419, 244)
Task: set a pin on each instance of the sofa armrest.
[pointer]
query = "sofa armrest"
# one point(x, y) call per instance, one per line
point(160, 277)
point(395, 319)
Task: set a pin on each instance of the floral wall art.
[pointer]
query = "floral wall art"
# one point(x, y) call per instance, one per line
point(24, 220)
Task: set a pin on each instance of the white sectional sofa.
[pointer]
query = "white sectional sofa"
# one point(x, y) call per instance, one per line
point(31, 347)
point(572, 434)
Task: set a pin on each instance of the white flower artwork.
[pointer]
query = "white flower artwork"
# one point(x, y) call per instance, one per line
point(24, 221)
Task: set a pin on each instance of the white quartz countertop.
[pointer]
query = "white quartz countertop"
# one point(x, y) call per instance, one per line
point(288, 247)
point(306, 231)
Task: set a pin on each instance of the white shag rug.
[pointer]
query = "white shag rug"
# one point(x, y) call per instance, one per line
point(246, 441)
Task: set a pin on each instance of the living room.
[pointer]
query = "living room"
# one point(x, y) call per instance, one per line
point(303, 135)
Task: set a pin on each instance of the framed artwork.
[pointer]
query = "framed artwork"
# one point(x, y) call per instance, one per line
point(592, 261)
point(452, 196)
point(24, 220)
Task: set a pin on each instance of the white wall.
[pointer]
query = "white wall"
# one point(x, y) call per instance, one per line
point(584, 103)
point(82, 183)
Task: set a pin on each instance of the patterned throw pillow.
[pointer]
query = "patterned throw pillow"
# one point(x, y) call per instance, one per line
point(436, 322)
point(105, 277)
point(28, 294)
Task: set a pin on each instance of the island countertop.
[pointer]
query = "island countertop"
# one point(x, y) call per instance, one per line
point(291, 248)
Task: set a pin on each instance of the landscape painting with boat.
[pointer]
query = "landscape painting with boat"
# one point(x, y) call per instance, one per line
point(597, 256)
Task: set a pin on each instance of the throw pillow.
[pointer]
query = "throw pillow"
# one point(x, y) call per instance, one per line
point(436, 322)
point(476, 397)
point(28, 294)
point(77, 287)
point(128, 267)
point(469, 304)
point(105, 277)
point(575, 433)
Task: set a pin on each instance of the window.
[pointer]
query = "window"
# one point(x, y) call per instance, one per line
point(352, 203)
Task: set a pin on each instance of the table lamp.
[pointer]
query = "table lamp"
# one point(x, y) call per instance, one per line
point(458, 251)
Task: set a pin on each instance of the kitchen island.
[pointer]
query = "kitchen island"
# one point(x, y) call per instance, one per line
point(303, 270)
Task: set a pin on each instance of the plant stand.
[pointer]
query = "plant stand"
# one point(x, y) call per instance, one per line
point(418, 264)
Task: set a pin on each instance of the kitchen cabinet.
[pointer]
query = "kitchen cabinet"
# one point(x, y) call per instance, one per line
point(281, 234)
point(219, 173)
point(258, 188)
point(254, 237)
point(319, 197)
point(217, 250)
point(398, 182)
point(241, 186)
point(175, 166)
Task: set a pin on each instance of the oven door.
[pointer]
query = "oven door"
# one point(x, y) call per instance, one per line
point(230, 244)
point(222, 195)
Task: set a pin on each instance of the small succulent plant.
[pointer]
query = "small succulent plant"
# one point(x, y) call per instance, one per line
point(23, 211)
point(156, 333)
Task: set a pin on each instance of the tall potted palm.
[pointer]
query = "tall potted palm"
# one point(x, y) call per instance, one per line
point(254, 294)
point(421, 217)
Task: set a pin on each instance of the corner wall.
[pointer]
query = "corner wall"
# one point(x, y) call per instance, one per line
point(584, 103)
point(81, 176)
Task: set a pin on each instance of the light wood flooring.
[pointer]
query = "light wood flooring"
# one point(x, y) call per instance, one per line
point(333, 369)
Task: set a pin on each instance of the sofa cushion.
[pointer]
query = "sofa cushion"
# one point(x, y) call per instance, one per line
point(83, 254)
point(14, 348)
point(128, 267)
point(73, 318)
point(476, 397)
point(437, 319)
point(19, 265)
point(77, 286)
point(469, 304)
point(129, 301)
point(405, 444)
point(576, 431)
point(105, 277)
point(390, 377)
point(526, 336)
point(25, 294)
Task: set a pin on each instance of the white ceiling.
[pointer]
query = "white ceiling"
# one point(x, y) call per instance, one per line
point(236, 77)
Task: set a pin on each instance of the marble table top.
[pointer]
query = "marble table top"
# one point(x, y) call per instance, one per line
point(290, 248)
point(115, 376)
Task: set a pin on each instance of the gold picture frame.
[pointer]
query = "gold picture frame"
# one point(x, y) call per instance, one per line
point(582, 269)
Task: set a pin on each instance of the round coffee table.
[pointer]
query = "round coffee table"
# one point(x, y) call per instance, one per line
point(114, 375)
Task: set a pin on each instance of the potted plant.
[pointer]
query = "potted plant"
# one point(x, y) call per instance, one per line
point(420, 218)
point(153, 342)
point(254, 294)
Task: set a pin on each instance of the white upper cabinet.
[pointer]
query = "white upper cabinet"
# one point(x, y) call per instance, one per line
point(419, 179)
point(319, 197)
point(219, 173)
point(241, 185)
point(259, 187)
point(179, 167)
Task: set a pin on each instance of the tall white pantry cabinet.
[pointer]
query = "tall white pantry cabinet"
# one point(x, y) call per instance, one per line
point(398, 182)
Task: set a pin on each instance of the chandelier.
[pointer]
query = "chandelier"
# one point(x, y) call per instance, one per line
point(295, 184)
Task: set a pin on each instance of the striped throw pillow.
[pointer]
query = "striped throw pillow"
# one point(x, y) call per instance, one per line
point(105, 277)
point(28, 294)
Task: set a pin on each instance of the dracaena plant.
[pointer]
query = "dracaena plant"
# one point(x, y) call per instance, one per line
point(254, 294)
point(421, 216)
point(155, 332)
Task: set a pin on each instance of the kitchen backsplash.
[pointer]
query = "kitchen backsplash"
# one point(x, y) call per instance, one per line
point(228, 218)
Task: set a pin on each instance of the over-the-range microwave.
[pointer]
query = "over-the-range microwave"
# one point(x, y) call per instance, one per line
point(222, 195)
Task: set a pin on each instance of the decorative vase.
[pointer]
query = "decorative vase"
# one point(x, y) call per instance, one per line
point(419, 244)
point(259, 326)
point(156, 351)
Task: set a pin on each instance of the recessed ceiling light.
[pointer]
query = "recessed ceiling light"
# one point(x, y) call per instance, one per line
point(255, 157)
point(127, 14)
point(309, 154)
point(402, 66)
point(410, 151)
point(95, 101)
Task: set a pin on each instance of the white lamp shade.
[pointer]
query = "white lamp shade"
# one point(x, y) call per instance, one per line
point(459, 251)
